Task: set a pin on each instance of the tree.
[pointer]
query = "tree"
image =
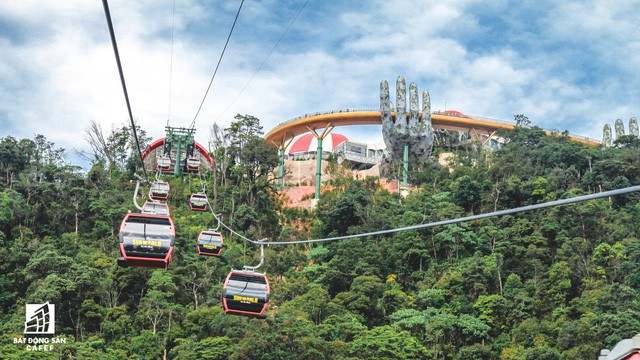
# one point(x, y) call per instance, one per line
point(540, 284)
point(363, 297)
point(339, 215)
point(218, 348)
point(521, 120)
point(467, 193)
point(156, 304)
point(145, 346)
point(384, 342)
point(117, 149)
point(12, 160)
point(494, 311)
point(314, 305)
point(251, 160)
point(218, 146)
point(454, 238)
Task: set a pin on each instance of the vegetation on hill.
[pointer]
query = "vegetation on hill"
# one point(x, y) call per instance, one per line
point(558, 283)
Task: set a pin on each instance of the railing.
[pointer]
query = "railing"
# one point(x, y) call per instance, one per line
point(318, 113)
point(361, 159)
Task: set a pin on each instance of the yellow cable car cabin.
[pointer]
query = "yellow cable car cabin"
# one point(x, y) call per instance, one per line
point(164, 164)
point(146, 241)
point(245, 293)
point(156, 208)
point(210, 243)
point(159, 190)
point(192, 164)
point(198, 202)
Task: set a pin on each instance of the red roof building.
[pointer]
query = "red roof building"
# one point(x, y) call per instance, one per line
point(306, 146)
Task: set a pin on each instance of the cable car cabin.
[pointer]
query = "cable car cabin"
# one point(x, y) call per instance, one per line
point(159, 190)
point(155, 208)
point(193, 165)
point(245, 293)
point(198, 202)
point(146, 241)
point(210, 243)
point(164, 164)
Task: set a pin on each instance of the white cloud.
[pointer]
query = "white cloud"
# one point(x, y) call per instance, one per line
point(576, 61)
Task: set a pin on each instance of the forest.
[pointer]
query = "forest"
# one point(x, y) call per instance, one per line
point(556, 283)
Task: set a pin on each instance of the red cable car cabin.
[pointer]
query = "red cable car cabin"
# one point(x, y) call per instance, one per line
point(146, 241)
point(198, 202)
point(210, 243)
point(193, 165)
point(159, 190)
point(245, 293)
point(156, 208)
point(164, 164)
point(626, 349)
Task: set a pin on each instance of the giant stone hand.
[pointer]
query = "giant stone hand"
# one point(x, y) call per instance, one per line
point(414, 131)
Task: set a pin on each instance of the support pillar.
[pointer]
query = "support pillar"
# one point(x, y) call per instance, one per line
point(281, 168)
point(319, 168)
point(177, 169)
point(320, 137)
point(282, 146)
point(182, 136)
point(405, 167)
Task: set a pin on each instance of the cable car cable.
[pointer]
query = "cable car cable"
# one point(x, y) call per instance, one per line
point(124, 86)
point(451, 221)
point(173, 26)
point(217, 66)
point(264, 61)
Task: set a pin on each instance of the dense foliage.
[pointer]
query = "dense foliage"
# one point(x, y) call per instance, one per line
point(559, 283)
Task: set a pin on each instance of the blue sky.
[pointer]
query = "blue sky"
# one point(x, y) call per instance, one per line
point(570, 65)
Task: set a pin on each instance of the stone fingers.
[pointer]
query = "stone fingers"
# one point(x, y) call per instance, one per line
point(385, 106)
point(633, 127)
point(426, 111)
point(401, 105)
point(413, 107)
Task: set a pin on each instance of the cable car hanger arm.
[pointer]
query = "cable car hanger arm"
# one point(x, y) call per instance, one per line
point(135, 195)
point(253, 268)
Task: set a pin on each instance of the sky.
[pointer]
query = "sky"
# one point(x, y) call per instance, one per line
point(566, 65)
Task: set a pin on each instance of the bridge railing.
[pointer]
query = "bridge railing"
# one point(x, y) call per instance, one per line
point(497, 121)
point(508, 122)
point(318, 113)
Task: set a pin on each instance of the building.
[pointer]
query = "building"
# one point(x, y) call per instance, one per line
point(353, 154)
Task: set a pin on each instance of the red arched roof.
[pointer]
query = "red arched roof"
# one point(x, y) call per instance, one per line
point(308, 142)
point(160, 142)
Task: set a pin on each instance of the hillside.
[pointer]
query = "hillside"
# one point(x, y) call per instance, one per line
point(300, 179)
point(558, 283)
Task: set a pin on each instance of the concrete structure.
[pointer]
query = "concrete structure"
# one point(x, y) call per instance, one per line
point(406, 134)
point(360, 155)
point(479, 127)
point(353, 154)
